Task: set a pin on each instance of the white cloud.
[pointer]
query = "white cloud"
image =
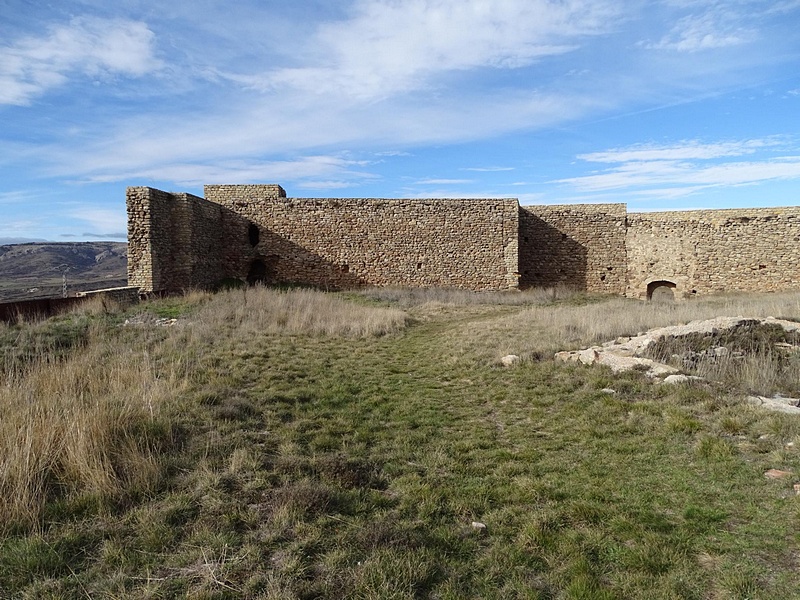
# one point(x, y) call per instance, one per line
point(487, 169)
point(689, 149)
point(32, 65)
point(713, 29)
point(387, 47)
point(683, 169)
point(17, 196)
point(324, 185)
point(247, 171)
point(102, 220)
point(443, 181)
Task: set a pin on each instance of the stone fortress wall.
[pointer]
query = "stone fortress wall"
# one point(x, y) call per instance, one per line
point(254, 232)
point(580, 245)
point(714, 251)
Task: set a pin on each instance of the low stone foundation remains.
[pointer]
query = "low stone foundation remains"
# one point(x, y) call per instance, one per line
point(255, 233)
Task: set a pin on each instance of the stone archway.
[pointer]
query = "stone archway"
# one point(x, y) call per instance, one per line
point(661, 291)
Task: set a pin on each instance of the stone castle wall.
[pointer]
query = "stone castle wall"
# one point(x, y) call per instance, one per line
point(175, 240)
point(579, 245)
point(254, 232)
point(713, 251)
point(353, 242)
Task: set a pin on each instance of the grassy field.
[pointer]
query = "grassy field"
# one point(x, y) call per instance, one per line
point(295, 444)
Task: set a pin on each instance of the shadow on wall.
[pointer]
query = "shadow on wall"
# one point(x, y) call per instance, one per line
point(277, 260)
point(548, 256)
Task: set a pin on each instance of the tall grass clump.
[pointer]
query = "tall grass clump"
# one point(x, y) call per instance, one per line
point(86, 426)
point(296, 311)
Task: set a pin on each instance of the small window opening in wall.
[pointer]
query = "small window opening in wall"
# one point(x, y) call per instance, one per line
point(694, 291)
point(253, 234)
point(762, 267)
point(602, 277)
point(419, 265)
point(661, 291)
point(344, 268)
point(609, 268)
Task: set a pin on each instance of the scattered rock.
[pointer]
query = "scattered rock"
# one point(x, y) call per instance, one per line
point(618, 362)
point(148, 319)
point(509, 360)
point(777, 474)
point(478, 526)
point(796, 488)
point(681, 378)
point(609, 391)
point(776, 403)
point(627, 353)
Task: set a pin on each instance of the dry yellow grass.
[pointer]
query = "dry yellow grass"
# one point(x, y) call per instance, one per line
point(80, 425)
point(543, 330)
point(298, 311)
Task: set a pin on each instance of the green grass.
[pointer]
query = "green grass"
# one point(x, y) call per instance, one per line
point(351, 462)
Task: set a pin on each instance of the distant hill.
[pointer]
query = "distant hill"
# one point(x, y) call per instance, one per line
point(34, 270)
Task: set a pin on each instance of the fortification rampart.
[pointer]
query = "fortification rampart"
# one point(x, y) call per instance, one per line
point(255, 232)
point(352, 242)
point(578, 245)
point(175, 240)
point(713, 251)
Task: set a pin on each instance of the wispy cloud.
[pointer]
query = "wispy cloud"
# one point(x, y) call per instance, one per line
point(443, 181)
point(103, 220)
point(16, 196)
point(91, 46)
point(684, 150)
point(324, 185)
point(106, 236)
point(246, 171)
point(686, 168)
point(487, 169)
point(385, 47)
point(716, 28)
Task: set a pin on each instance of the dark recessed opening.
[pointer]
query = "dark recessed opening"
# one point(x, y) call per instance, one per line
point(419, 265)
point(257, 272)
point(563, 236)
point(762, 267)
point(253, 234)
point(609, 268)
point(344, 268)
point(602, 277)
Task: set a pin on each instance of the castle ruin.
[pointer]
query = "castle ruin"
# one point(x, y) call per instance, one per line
point(179, 241)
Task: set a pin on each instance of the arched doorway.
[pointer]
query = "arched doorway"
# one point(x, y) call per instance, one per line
point(257, 272)
point(661, 291)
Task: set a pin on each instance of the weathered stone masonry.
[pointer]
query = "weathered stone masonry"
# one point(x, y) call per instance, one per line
point(713, 251)
point(254, 232)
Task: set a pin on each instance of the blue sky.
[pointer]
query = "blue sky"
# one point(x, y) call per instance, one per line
point(665, 105)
